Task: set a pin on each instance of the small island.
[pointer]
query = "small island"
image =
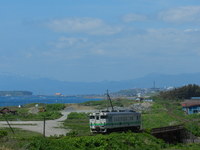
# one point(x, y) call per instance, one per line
point(15, 93)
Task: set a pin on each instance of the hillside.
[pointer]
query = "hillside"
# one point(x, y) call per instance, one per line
point(162, 113)
point(184, 92)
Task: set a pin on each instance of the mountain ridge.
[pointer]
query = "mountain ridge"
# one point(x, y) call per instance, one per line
point(50, 86)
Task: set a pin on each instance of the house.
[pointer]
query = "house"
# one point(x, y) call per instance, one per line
point(191, 106)
point(58, 94)
point(7, 110)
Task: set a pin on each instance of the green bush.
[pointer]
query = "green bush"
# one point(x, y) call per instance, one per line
point(3, 133)
point(75, 115)
point(78, 122)
point(49, 115)
point(72, 133)
point(116, 141)
point(55, 107)
point(193, 127)
point(184, 92)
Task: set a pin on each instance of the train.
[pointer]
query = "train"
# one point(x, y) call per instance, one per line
point(109, 121)
point(114, 120)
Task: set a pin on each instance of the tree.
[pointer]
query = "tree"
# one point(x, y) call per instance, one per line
point(185, 92)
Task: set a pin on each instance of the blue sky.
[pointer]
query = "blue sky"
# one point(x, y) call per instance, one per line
point(96, 40)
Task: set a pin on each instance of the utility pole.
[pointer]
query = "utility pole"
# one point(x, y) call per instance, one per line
point(154, 84)
point(108, 97)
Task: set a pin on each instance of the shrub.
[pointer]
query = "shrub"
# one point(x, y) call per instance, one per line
point(117, 141)
point(75, 115)
point(184, 92)
point(193, 127)
point(54, 107)
point(3, 133)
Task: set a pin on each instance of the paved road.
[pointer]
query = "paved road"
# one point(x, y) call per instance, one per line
point(53, 127)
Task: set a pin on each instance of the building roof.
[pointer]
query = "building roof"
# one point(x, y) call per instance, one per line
point(7, 110)
point(190, 103)
point(195, 98)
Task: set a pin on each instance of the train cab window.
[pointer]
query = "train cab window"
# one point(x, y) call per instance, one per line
point(109, 118)
point(103, 117)
point(137, 117)
point(92, 117)
point(97, 117)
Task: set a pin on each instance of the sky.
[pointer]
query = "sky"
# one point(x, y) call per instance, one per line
point(98, 40)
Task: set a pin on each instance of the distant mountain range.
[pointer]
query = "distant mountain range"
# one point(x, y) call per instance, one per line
point(44, 86)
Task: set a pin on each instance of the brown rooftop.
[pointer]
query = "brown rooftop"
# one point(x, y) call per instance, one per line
point(7, 110)
point(190, 103)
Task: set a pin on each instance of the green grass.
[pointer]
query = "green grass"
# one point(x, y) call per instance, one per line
point(115, 141)
point(162, 113)
point(31, 117)
point(75, 115)
point(25, 140)
point(78, 123)
point(102, 104)
point(17, 141)
point(52, 112)
point(194, 146)
point(155, 120)
point(169, 112)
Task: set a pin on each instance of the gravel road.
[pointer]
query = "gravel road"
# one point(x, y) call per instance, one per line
point(53, 127)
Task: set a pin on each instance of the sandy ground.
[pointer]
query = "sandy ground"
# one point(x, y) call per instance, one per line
point(53, 127)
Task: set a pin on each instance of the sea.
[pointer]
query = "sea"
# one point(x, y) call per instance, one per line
point(22, 100)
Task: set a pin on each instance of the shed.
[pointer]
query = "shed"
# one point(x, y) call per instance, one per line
point(191, 106)
point(7, 110)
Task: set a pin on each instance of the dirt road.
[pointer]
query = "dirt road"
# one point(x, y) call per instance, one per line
point(53, 127)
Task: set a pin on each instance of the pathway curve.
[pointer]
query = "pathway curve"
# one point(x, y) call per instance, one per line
point(53, 127)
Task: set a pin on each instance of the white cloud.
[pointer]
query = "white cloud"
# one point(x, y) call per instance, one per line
point(92, 26)
point(98, 52)
point(154, 43)
point(191, 30)
point(64, 42)
point(133, 17)
point(181, 14)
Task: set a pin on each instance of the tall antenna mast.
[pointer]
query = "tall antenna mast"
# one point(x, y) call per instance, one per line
point(108, 98)
point(154, 84)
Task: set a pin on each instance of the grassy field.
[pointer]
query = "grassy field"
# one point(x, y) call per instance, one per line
point(16, 141)
point(102, 104)
point(115, 141)
point(52, 111)
point(23, 140)
point(78, 123)
point(162, 113)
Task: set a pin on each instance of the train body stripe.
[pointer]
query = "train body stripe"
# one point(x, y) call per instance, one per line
point(115, 123)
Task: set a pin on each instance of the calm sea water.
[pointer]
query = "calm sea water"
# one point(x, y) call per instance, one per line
point(22, 100)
